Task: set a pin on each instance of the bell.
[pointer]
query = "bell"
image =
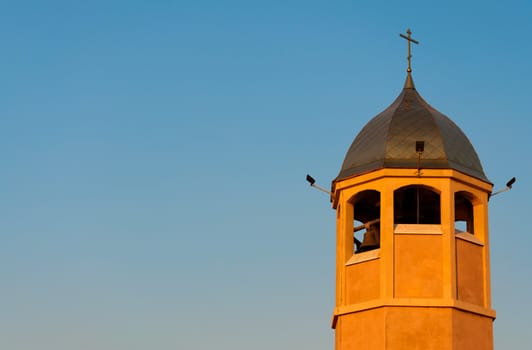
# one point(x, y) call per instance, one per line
point(371, 239)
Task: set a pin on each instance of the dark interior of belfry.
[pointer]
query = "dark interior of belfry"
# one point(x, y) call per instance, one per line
point(416, 205)
point(412, 205)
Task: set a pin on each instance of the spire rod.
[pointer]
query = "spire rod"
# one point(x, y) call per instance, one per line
point(409, 83)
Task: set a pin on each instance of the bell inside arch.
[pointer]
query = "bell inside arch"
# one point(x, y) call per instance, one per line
point(366, 205)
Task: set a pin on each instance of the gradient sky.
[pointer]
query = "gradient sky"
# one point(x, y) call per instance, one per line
point(154, 153)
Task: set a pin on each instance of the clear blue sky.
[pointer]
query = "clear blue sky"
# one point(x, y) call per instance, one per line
point(153, 157)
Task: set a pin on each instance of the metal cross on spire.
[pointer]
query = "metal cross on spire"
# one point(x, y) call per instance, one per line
point(410, 40)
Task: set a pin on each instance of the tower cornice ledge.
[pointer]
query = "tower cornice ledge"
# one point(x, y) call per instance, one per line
point(421, 302)
point(366, 178)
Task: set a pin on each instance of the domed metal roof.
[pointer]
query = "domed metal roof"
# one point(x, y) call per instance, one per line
point(389, 140)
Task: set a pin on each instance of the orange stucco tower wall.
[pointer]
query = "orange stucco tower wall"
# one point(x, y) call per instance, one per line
point(427, 284)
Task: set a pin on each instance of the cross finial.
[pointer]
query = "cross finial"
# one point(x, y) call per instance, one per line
point(409, 40)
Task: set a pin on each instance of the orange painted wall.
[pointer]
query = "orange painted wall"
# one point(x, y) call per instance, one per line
point(418, 328)
point(414, 328)
point(362, 281)
point(472, 332)
point(418, 266)
point(469, 272)
point(361, 331)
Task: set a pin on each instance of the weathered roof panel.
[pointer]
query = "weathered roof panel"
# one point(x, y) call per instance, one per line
point(388, 140)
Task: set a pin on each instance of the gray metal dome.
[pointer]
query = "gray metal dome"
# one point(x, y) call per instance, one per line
point(388, 140)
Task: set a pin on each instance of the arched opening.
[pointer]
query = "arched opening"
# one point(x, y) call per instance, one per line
point(463, 212)
point(367, 211)
point(416, 205)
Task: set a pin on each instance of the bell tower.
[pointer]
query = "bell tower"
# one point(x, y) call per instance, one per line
point(412, 242)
